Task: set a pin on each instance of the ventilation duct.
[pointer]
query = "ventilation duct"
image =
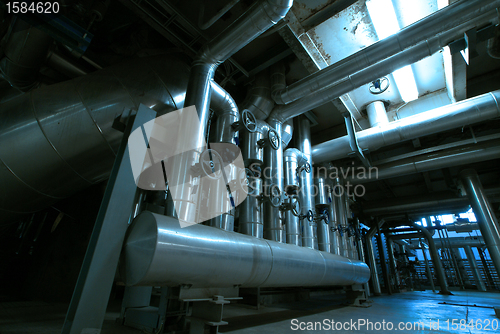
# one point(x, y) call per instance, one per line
point(58, 139)
point(474, 110)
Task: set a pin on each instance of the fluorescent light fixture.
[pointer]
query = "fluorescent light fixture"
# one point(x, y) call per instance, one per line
point(406, 83)
point(386, 24)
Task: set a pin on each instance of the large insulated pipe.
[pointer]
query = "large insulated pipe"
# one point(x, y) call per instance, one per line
point(258, 99)
point(159, 252)
point(273, 183)
point(474, 268)
point(438, 267)
point(369, 74)
point(257, 19)
point(488, 224)
point(294, 160)
point(63, 135)
point(25, 52)
point(250, 219)
point(470, 111)
point(227, 114)
point(377, 115)
point(303, 133)
point(447, 18)
point(456, 156)
point(322, 192)
point(371, 258)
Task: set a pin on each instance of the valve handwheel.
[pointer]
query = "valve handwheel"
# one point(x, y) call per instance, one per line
point(274, 139)
point(211, 164)
point(249, 120)
point(295, 205)
point(275, 195)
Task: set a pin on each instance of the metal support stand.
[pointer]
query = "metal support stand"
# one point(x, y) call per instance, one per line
point(90, 298)
point(357, 296)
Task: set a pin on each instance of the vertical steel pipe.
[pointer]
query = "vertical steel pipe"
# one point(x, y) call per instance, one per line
point(475, 270)
point(377, 115)
point(303, 132)
point(322, 190)
point(438, 267)
point(273, 178)
point(488, 224)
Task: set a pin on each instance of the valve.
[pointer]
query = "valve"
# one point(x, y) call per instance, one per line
point(305, 167)
point(273, 140)
point(275, 197)
point(210, 164)
point(247, 121)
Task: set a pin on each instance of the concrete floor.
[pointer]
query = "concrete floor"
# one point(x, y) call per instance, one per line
point(409, 307)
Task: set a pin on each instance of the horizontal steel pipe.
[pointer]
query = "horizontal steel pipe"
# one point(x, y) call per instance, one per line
point(470, 111)
point(159, 252)
point(355, 80)
point(444, 19)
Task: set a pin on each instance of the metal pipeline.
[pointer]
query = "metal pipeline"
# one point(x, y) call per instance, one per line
point(260, 17)
point(373, 72)
point(59, 132)
point(227, 113)
point(436, 160)
point(294, 160)
point(473, 110)
point(377, 115)
point(273, 183)
point(438, 267)
point(322, 191)
point(475, 270)
point(160, 253)
point(371, 258)
point(486, 219)
point(445, 19)
point(258, 99)
point(25, 52)
point(303, 133)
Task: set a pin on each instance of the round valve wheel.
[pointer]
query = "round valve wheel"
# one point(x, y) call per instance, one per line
point(274, 139)
point(249, 121)
point(310, 216)
point(295, 205)
point(379, 86)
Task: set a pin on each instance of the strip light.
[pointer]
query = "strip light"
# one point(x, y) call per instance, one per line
point(384, 20)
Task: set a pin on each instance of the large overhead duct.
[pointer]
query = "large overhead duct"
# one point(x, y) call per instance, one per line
point(431, 161)
point(470, 111)
point(25, 51)
point(208, 257)
point(445, 19)
point(357, 79)
point(59, 139)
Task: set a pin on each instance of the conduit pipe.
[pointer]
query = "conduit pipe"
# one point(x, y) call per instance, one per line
point(25, 52)
point(377, 115)
point(436, 160)
point(303, 133)
point(438, 267)
point(475, 270)
point(445, 19)
point(473, 110)
point(371, 257)
point(51, 137)
point(159, 252)
point(260, 17)
point(373, 72)
point(294, 160)
point(486, 219)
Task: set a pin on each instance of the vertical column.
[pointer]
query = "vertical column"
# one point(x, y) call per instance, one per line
point(303, 132)
point(488, 224)
point(475, 270)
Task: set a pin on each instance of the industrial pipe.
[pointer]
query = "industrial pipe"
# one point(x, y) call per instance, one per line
point(473, 110)
point(60, 131)
point(445, 19)
point(373, 72)
point(371, 258)
point(377, 115)
point(303, 133)
point(475, 270)
point(159, 252)
point(436, 160)
point(260, 17)
point(25, 52)
point(486, 219)
point(438, 267)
